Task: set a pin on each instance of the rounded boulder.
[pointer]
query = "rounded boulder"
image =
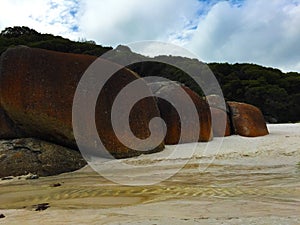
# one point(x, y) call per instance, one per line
point(37, 88)
point(220, 119)
point(22, 156)
point(171, 117)
point(247, 120)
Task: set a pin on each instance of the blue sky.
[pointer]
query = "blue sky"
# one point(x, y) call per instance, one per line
point(256, 31)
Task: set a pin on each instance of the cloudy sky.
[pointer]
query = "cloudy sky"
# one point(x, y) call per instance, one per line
point(265, 32)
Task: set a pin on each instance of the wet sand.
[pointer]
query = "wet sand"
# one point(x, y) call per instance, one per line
point(245, 181)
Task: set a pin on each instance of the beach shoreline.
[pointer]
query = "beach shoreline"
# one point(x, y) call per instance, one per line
point(245, 181)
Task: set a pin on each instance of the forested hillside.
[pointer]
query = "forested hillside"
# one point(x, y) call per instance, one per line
point(276, 93)
point(13, 36)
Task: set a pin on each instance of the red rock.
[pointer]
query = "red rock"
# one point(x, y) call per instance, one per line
point(172, 119)
point(37, 88)
point(216, 101)
point(247, 120)
point(220, 119)
point(220, 123)
point(7, 129)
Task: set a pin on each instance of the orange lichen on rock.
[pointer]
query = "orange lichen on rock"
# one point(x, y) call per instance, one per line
point(247, 120)
point(172, 119)
point(37, 88)
point(220, 123)
point(220, 119)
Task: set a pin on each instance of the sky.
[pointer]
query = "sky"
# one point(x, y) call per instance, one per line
point(265, 32)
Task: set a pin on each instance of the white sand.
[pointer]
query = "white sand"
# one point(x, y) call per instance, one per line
point(245, 181)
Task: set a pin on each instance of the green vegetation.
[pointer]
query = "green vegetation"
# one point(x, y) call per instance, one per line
point(277, 94)
point(14, 36)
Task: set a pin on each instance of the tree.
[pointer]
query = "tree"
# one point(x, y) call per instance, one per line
point(17, 31)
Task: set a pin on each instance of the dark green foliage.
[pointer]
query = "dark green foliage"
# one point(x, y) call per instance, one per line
point(277, 94)
point(15, 32)
point(13, 36)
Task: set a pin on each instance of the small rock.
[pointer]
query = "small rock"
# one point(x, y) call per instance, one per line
point(41, 207)
point(55, 185)
point(7, 178)
point(32, 176)
point(2, 216)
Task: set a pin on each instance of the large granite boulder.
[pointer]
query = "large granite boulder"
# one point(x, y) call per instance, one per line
point(247, 120)
point(220, 116)
point(37, 88)
point(220, 122)
point(23, 156)
point(7, 128)
point(171, 117)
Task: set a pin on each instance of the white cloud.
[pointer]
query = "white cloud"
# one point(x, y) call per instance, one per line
point(46, 16)
point(113, 22)
point(259, 31)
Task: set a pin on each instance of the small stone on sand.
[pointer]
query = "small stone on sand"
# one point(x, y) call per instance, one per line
point(41, 207)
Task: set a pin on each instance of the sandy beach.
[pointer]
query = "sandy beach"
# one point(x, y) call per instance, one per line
point(232, 180)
